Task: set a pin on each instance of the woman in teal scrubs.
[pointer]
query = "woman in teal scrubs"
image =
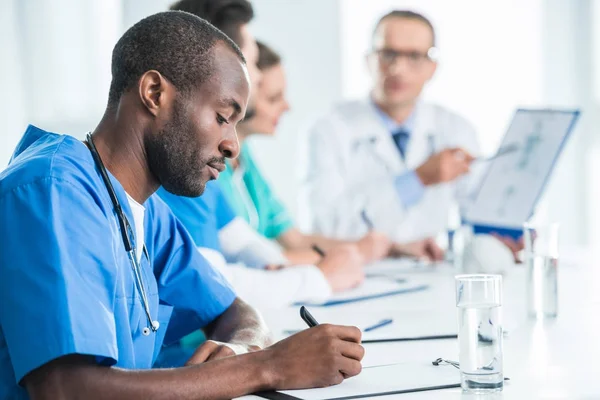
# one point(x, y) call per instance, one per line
point(249, 192)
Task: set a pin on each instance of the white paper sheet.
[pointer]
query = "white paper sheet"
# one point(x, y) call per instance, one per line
point(382, 379)
point(509, 191)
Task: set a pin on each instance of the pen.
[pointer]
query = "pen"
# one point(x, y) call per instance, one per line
point(510, 148)
point(381, 323)
point(366, 219)
point(318, 250)
point(308, 318)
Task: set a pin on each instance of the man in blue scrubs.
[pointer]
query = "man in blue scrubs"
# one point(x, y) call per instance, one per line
point(80, 317)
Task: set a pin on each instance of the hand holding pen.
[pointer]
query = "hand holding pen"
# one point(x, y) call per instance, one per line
point(323, 355)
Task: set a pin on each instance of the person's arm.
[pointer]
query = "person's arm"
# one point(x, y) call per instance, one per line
point(240, 243)
point(332, 352)
point(262, 288)
point(238, 330)
point(78, 376)
point(373, 246)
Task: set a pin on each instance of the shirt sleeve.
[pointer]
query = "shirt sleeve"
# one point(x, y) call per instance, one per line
point(409, 188)
point(285, 287)
point(242, 244)
point(185, 279)
point(58, 278)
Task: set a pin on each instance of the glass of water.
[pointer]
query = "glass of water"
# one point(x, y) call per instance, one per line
point(541, 261)
point(479, 303)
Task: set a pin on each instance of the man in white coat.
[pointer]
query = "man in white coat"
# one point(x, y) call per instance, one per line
point(390, 162)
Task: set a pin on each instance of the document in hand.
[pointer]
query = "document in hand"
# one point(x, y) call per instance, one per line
point(380, 381)
point(515, 181)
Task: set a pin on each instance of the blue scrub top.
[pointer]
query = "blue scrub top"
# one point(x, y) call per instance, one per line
point(66, 283)
point(202, 216)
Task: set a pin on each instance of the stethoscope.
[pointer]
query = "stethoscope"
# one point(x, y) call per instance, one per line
point(126, 234)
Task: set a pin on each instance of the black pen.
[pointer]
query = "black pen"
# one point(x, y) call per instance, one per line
point(318, 250)
point(308, 318)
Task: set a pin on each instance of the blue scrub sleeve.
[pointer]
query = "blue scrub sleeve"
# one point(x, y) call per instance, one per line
point(409, 188)
point(186, 280)
point(57, 277)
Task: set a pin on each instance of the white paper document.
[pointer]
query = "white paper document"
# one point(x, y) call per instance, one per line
point(390, 379)
point(514, 181)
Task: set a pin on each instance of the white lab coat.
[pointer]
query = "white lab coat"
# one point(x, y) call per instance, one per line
point(348, 162)
point(241, 247)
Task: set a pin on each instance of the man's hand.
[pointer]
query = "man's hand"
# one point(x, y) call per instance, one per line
point(445, 166)
point(213, 350)
point(514, 245)
point(374, 246)
point(426, 249)
point(343, 267)
point(317, 357)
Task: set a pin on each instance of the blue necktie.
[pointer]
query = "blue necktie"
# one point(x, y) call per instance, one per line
point(401, 138)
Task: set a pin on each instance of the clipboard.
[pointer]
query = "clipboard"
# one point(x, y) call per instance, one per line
point(379, 381)
point(514, 183)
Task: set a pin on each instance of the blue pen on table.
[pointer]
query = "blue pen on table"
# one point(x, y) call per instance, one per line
point(380, 324)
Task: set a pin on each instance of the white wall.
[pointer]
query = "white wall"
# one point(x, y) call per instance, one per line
point(307, 34)
point(12, 113)
point(56, 65)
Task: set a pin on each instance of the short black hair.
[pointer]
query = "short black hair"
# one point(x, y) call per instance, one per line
point(267, 57)
point(176, 44)
point(227, 15)
point(407, 14)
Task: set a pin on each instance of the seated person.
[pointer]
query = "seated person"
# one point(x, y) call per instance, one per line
point(254, 266)
point(251, 196)
point(94, 265)
point(232, 17)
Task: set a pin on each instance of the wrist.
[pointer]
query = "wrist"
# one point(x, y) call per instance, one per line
point(423, 177)
point(269, 377)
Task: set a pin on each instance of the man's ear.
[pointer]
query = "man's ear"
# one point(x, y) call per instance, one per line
point(155, 91)
point(431, 70)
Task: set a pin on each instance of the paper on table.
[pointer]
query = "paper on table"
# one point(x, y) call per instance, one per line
point(389, 379)
point(393, 267)
point(371, 288)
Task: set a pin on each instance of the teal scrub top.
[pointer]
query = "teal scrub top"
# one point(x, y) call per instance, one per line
point(251, 197)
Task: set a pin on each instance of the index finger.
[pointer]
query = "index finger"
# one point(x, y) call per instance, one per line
point(462, 154)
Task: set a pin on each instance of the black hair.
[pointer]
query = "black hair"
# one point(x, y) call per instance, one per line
point(267, 57)
point(407, 14)
point(176, 44)
point(226, 15)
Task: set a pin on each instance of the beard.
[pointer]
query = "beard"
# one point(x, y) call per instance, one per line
point(175, 156)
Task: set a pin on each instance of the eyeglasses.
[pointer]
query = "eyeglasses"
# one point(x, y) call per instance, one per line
point(414, 59)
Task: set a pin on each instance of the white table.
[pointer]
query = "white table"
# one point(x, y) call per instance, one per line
point(544, 359)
